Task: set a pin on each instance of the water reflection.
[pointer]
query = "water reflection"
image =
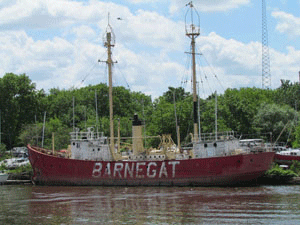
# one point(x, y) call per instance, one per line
point(150, 205)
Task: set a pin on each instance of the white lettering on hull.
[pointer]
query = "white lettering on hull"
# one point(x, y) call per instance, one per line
point(135, 169)
point(163, 170)
point(151, 173)
point(118, 168)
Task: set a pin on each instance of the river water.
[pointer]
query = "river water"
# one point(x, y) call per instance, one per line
point(27, 204)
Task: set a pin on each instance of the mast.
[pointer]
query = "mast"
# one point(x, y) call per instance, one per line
point(109, 42)
point(73, 114)
point(96, 105)
point(216, 116)
point(193, 31)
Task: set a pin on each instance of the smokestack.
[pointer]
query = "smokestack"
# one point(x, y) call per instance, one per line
point(137, 136)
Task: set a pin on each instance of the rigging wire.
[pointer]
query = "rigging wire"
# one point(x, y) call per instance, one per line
point(123, 76)
point(86, 76)
point(211, 68)
point(206, 78)
point(185, 76)
point(89, 72)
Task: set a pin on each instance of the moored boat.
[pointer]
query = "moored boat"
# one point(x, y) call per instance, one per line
point(94, 159)
point(287, 156)
point(3, 177)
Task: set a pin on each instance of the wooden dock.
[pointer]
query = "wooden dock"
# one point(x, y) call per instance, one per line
point(15, 182)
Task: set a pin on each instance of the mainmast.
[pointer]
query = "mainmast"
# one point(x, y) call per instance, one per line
point(109, 42)
point(193, 31)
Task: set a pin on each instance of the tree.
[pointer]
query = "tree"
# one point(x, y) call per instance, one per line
point(240, 106)
point(20, 103)
point(179, 93)
point(33, 134)
point(275, 119)
point(288, 93)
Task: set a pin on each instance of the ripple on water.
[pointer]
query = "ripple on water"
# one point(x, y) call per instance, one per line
point(150, 205)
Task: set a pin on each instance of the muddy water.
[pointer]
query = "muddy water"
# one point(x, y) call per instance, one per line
point(148, 205)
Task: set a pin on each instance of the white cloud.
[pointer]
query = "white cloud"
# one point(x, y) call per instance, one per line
point(143, 1)
point(238, 64)
point(84, 32)
point(52, 13)
point(149, 48)
point(150, 28)
point(288, 23)
point(209, 5)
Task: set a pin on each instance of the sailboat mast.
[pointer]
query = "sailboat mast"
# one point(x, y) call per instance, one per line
point(193, 31)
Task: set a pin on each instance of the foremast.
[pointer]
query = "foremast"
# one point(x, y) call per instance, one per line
point(193, 31)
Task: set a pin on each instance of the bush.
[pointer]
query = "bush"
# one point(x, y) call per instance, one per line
point(22, 169)
point(295, 167)
point(277, 171)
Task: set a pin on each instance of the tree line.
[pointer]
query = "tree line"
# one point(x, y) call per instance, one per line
point(23, 109)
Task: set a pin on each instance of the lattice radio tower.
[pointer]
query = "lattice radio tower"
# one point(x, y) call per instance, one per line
point(266, 74)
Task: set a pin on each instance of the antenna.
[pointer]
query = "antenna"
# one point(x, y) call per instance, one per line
point(266, 74)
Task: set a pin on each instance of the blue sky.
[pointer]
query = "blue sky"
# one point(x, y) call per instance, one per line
point(57, 43)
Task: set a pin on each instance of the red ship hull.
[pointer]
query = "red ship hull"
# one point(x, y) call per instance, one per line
point(216, 171)
point(285, 159)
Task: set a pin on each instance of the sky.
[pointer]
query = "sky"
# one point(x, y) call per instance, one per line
point(57, 43)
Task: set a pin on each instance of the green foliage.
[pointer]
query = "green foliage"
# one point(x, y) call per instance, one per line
point(296, 141)
point(175, 94)
point(295, 167)
point(288, 93)
point(20, 102)
point(244, 110)
point(22, 169)
point(275, 118)
point(33, 134)
point(239, 107)
point(3, 167)
point(277, 171)
point(2, 149)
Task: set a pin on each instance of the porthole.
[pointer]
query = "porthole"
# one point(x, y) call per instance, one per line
point(205, 145)
point(215, 144)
